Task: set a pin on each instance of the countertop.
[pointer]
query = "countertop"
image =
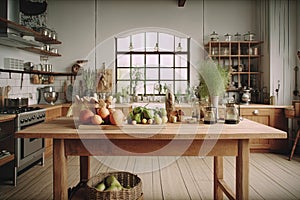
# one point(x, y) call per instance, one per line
point(187, 105)
point(49, 106)
point(7, 117)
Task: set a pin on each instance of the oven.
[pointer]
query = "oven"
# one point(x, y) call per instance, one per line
point(28, 151)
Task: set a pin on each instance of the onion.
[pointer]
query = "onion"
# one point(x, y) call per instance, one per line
point(117, 117)
point(85, 116)
point(96, 119)
point(103, 112)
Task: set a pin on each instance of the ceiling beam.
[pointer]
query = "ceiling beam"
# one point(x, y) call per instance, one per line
point(181, 3)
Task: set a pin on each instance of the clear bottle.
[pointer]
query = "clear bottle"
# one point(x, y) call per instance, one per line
point(210, 115)
point(232, 114)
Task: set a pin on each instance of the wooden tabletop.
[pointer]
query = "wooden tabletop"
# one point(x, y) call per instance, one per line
point(65, 128)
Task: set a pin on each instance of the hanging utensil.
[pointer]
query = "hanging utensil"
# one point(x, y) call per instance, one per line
point(22, 75)
point(296, 91)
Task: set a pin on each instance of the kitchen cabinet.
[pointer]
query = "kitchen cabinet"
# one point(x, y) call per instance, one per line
point(269, 116)
point(24, 31)
point(242, 59)
point(7, 163)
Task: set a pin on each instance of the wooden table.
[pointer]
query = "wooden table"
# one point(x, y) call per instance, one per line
point(216, 140)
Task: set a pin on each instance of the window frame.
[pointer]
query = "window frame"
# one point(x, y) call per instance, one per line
point(146, 52)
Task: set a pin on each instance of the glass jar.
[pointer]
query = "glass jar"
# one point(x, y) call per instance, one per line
point(210, 115)
point(214, 36)
point(232, 114)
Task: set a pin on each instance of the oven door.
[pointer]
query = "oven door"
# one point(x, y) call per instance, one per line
point(30, 145)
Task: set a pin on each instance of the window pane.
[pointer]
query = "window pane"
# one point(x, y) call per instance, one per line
point(166, 42)
point(152, 61)
point(138, 60)
point(183, 43)
point(166, 61)
point(151, 40)
point(180, 74)
point(167, 84)
point(166, 74)
point(180, 87)
point(123, 61)
point(152, 73)
point(150, 87)
point(138, 42)
point(123, 43)
point(181, 61)
point(123, 73)
point(122, 84)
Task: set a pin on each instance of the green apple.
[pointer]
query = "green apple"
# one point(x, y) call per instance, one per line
point(100, 187)
point(114, 188)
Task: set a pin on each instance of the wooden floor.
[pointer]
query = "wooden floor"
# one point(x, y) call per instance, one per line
point(272, 176)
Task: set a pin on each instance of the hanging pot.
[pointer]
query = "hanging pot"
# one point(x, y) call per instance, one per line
point(32, 8)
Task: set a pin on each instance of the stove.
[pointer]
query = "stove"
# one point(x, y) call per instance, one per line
point(18, 110)
point(28, 151)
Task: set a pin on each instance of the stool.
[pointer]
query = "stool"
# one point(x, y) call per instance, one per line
point(295, 144)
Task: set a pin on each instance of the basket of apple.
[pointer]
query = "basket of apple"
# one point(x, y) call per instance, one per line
point(115, 186)
point(99, 112)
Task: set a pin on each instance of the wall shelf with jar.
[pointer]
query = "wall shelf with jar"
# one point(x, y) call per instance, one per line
point(242, 59)
point(40, 41)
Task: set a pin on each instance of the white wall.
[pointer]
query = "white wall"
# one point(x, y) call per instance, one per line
point(119, 16)
point(230, 16)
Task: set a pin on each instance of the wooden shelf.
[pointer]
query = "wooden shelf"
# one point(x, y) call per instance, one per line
point(38, 72)
point(24, 31)
point(39, 51)
point(152, 52)
point(7, 159)
point(28, 31)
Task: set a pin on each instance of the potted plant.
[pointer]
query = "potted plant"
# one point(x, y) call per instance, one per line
point(213, 81)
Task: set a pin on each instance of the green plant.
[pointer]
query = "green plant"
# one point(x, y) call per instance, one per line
point(89, 78)
point(213, 79)
point(136, 76)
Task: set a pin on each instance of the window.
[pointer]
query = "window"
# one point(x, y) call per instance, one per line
point(150, 61)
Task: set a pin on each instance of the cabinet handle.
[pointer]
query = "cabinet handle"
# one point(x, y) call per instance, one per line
point(255, 112)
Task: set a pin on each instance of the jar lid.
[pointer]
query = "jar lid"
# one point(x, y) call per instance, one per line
point(249, 33)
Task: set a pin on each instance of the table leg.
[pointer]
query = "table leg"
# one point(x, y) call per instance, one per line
point(84, 168)
point(60, 173)
point(242, 170)
point(218, 174)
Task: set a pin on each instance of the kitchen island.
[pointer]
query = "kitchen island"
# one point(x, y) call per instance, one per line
point(216, 140)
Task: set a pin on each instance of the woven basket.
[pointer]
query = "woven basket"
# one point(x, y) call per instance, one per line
point(125, 178)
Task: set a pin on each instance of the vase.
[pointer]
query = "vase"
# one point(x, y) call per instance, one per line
point(214, 100)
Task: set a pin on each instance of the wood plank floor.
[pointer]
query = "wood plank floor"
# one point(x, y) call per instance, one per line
point(272, 176)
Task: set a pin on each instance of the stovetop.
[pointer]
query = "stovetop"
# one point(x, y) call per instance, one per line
point(18, 110)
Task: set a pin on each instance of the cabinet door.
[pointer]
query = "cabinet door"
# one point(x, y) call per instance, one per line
point(261, 116)
point(278, 120)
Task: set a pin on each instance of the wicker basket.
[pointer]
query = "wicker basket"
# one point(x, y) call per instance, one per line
point(125, 178)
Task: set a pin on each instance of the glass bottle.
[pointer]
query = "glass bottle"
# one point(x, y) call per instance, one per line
point(232, 114)
point(210, 115)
